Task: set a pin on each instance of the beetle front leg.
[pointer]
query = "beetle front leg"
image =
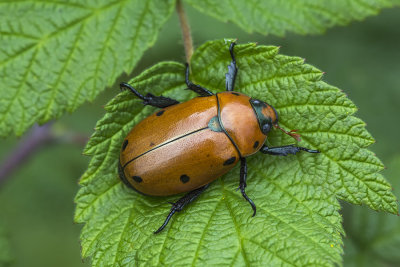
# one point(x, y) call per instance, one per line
point(150, 99)
point(230, 77)
point(181, 203)
point(194, 87)
point(242, 184)
point(285, 150)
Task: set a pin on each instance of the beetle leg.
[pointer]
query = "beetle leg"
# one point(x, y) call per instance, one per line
point(285, 150)
point(149, 99)
point(194, 87)
point(181, 203)
point(230, 77)
point(242, 184)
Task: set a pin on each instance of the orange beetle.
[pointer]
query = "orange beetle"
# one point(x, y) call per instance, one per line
point(185, 146)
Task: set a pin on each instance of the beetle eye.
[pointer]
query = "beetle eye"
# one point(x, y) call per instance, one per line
point(266, 128)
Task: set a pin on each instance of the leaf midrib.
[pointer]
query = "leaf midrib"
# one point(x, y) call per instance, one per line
point(104, 46)
point(196, 254)
point(54, 91)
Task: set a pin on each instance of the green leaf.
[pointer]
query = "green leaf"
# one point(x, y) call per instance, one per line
point(297, 221)
point(279, 17)
point(54, 55)
point(373, 239)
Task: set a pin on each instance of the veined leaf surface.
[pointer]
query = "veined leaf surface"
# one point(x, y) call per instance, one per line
point(298, 221)
point(55, 55)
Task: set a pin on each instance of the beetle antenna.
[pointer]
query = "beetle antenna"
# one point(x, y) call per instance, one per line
point(291, 133)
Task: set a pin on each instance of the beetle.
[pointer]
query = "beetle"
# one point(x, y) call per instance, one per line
point(183, 147)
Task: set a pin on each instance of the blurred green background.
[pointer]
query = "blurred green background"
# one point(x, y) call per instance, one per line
point(363, 59)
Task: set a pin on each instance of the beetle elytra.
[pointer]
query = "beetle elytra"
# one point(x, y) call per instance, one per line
point(183, 147)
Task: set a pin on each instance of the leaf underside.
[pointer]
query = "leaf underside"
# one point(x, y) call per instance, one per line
point(297, 222)
point(55, 55)
point(302, 17)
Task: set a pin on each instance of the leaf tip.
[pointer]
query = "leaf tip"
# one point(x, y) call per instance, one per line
point(230, 40)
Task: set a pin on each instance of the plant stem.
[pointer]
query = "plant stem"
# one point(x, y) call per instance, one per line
point(186, 36)
point(38, 137)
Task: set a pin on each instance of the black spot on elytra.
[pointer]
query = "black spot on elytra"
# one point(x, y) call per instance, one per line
point(160, 112)
point(124, 145)
point(233, 93)
point(255, 144)
point(137, 179)
point(185, 178)
point(151, 144)
point(229, 161)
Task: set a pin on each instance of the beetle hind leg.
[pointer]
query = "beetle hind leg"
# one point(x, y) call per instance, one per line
point(150, 99)
point(230, 77)
point(242, 184)
point(181, 203)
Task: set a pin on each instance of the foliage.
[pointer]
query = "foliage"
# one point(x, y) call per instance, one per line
point(302, 17)
point(373, 239)
point(55, 55)
point(298, 221)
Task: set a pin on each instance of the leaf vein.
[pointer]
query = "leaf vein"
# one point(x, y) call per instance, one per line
point(47, 109)
point(196, 254)
point(104, 46)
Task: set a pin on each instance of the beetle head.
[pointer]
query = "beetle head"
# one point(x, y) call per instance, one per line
point(266, 115)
